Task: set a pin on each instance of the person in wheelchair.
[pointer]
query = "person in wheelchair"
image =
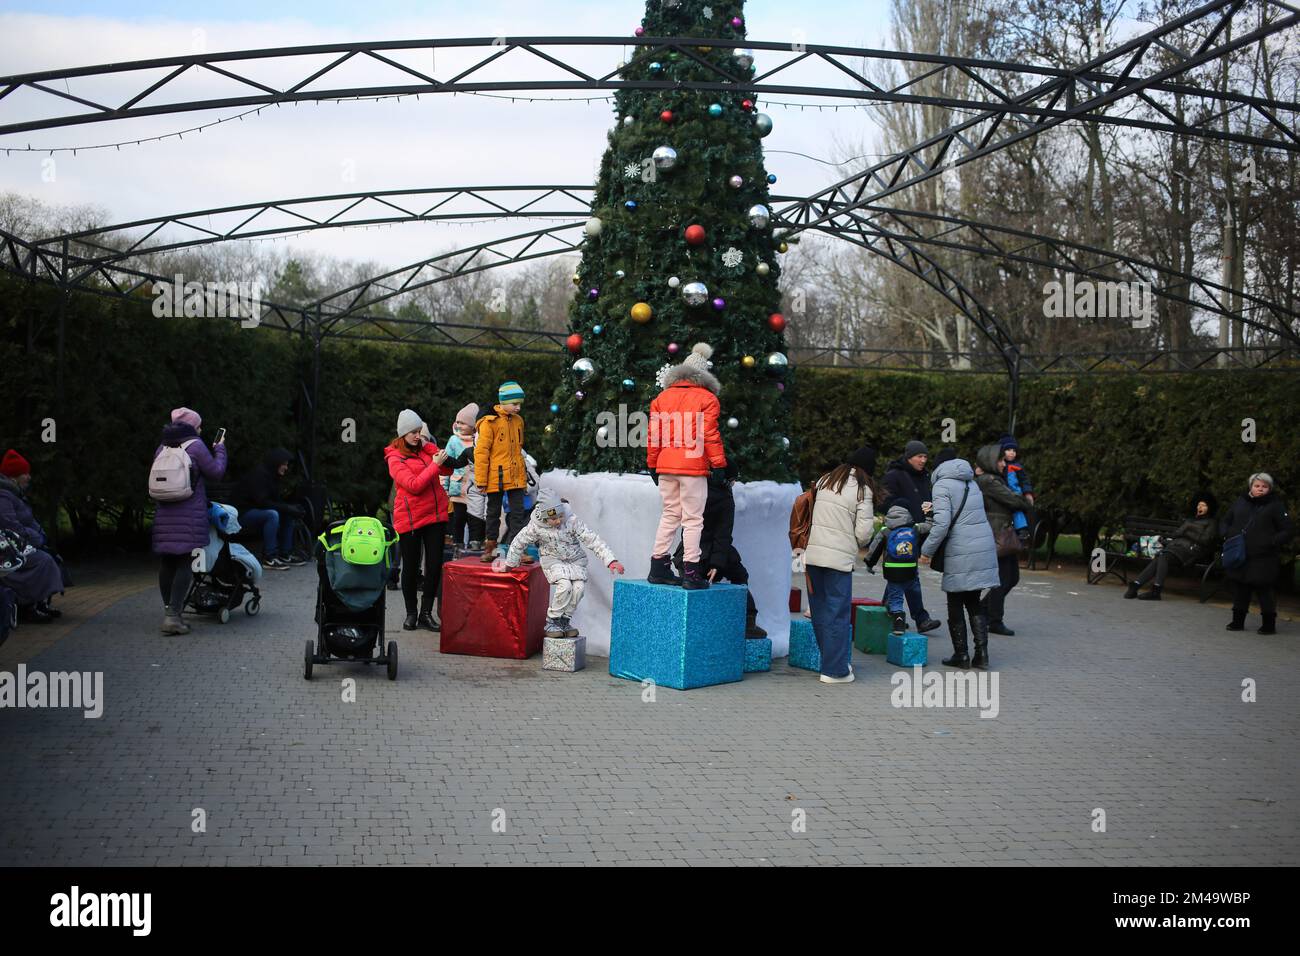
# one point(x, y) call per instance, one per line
point(263, 508)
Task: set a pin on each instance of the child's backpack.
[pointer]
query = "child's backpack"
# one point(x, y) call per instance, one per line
point(900, 553)
point(361, 540)
point(169, 477)
point(801, 518)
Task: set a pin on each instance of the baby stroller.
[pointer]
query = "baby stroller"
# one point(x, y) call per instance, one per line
point(231, 571)
point(352, 566)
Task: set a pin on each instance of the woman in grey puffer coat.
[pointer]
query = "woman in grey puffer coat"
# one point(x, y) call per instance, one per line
point(970, 560)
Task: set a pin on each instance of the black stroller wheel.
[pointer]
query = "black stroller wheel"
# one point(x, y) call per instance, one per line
point(223, 615)
point(392, 660)
point(252, 607)
point(308, 660)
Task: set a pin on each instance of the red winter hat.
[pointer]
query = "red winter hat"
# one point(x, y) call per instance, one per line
point(14, 464)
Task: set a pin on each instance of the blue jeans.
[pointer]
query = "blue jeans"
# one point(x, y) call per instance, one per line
point(896, 591)
point(830, 597)
point(277, 532)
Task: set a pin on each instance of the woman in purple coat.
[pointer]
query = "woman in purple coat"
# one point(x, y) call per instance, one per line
point(181, 526)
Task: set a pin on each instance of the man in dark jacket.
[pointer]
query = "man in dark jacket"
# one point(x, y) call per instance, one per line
point(1000, 505)
point(262, 508)
point(908, 483)
point(1261, 516)
point(1193, 541)
point(717, 553)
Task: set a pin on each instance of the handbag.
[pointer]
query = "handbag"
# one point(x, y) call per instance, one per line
point(1007, 541)
point(936, 562)
point(1234, 547)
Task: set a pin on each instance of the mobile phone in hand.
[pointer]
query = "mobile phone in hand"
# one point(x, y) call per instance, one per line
point(221, 436)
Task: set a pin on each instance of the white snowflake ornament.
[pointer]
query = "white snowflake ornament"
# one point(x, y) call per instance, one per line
point(659, 375)
point(708, 13)
point(732, 257)
point(632, 171)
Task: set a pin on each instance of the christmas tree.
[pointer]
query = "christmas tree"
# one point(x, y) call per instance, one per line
point(679, 250)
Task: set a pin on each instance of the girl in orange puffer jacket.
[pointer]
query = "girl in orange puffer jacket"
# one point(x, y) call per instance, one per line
point(684, 452)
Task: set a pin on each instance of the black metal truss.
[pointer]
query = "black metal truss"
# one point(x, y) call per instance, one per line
point(1082, 95)
point(1009, 245)
point(1061, 94)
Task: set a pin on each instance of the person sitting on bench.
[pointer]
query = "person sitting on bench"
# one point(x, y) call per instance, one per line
point(1191, 544)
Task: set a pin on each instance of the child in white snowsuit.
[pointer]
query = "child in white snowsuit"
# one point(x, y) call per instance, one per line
point(560, 537)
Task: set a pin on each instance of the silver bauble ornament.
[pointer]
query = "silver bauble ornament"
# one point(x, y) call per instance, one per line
point(695, 294)
point(593, 226)
point(759, 216)
point(777, 363)
point(628, 120)
point(602, 434)
point(736, 182)
point(743, 58)
point(584, 370)
point(733, 422)
point(619, 273)
point(785, 443)
point(674, 282)
point(665, 158)
point(763, 123)
point(762, 268)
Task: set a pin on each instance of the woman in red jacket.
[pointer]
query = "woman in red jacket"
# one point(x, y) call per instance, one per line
point(419, 512)
point(684, 450)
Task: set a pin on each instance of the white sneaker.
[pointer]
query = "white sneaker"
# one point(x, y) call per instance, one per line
point(846, 679)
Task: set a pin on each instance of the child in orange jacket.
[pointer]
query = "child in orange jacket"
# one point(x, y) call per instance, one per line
point(684, 452)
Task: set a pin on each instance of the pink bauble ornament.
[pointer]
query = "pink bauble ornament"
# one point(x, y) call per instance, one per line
point(640, 31)
point(672, 348)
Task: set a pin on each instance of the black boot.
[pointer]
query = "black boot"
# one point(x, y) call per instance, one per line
point(1000, 628)
point(661, 572)
point(410, 623)
point(693, 578)
point(427, 621)
point(1268, 627)
point(1132, 591)
point(752, 630)
point(1152, 595)
point(979, 628)
point(957, 631)
point(1238, 621)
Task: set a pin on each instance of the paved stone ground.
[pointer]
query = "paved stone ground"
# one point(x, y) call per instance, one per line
point(1133, 708)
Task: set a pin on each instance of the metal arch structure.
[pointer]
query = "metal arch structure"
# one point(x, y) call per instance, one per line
point(1056, 97)
point(1144, 69)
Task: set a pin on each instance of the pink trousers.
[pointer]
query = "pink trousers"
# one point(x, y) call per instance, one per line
point(684, 497)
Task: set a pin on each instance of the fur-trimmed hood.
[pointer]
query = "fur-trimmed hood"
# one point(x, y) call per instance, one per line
point(695, 369)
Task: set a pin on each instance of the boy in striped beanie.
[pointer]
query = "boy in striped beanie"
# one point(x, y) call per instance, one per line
point(499, 467)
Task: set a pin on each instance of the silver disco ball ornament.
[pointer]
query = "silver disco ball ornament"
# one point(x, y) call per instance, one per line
point(777, 363)
point(665, 158)
point(584, 370)
point(744, 59)
point(759, 216)
point(695, 294)
point(763, 123)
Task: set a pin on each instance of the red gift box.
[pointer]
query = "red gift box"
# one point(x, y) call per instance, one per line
point(490, 614)
point(796, 600)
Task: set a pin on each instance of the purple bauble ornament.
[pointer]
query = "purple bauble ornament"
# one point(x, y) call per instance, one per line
point(580, 395)
point(737, 22)
point(593, 294)
point(640, 31)
point(672, 348)
point(780, 387)
point(719, 304)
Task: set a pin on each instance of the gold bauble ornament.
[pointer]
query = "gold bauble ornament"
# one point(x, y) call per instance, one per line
point(641, 312)
point(748, 361)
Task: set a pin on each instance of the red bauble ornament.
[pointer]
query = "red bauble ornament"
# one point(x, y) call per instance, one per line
point(666, 116)
point(574, 342)
point(695, 235)
point(747, 105)
point(776, 322)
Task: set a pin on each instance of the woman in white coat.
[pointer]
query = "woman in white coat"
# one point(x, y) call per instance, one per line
point(841, 528)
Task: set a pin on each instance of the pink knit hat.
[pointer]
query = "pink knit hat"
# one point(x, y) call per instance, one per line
point(467, 415)
point(186, 416)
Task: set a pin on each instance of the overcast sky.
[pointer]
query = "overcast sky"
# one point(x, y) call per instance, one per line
point(331, 148)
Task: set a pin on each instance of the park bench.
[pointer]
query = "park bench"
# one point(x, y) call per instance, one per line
point(1120, 547)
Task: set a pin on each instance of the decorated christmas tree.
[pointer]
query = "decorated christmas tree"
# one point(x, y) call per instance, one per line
point(679, 250)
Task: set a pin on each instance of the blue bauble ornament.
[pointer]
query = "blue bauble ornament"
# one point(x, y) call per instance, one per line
point(656, 66)
point(715, 109)
point(628, 385)
point(771, 177)
point(630, 204)
point(597, 329)
point(554, 408)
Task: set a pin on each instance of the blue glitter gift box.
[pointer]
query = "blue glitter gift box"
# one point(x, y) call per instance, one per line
point(907, 650)
point(677, 638)
point(758, 654)
point(804, 651)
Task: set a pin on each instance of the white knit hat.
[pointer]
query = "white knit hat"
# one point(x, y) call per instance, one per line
point(408, 421)
point(701, 352)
